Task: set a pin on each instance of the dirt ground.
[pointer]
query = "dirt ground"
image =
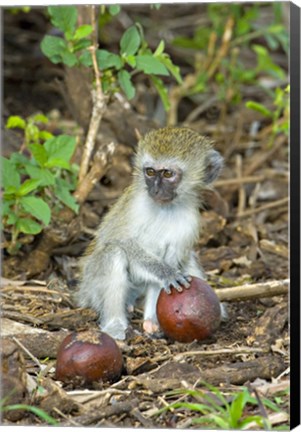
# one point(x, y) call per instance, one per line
point(244, 241)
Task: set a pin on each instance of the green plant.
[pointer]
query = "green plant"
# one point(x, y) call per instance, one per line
point(37, 411)
point(280, 115)
point(37, 180)
point(218, 63)
point(16, 10)
point(217, 410)
point(117, 69)
point(246, 28)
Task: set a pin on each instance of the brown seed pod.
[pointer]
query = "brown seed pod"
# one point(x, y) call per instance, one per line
point(193, 314)
point(91, 354)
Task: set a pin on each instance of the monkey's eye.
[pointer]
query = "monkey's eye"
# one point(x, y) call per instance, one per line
point(150, 172)
point(167, 173)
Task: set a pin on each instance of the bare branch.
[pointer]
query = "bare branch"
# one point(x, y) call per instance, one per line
point(252, 291)
point(100, 162)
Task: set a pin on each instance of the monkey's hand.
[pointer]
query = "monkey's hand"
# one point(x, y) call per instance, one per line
point(177, 281)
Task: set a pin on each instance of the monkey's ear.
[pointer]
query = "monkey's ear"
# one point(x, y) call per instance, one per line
point(213, 166)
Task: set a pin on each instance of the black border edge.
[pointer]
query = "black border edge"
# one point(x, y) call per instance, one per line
point(295, 407)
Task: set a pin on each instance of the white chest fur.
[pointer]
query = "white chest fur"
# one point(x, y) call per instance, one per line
point(168, 231)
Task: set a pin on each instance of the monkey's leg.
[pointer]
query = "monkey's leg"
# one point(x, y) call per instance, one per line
point(150, 321)
point(114, 320)
point(104, 287)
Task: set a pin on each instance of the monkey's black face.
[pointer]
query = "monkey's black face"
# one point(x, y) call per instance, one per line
point(162, 183)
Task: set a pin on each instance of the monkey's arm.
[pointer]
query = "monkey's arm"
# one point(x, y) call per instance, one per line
point(148, 268)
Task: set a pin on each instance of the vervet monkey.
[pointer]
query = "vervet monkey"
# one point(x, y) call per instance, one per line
point(146, 240)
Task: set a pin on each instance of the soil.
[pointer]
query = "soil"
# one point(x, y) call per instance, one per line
point(244, 241)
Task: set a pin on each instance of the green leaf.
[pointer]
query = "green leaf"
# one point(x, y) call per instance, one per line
point(52, 47)
point(37, 411)
point(39, 153)
point(40, 118)
point(173, 69)
point(45, 177)
point(12, 219)
point(10, 192)
point(37, 208)
point(69, 58)
point(130, 41)
point(106, 59)
point(260, 108)
point(131, 60)
point(63, 17)
point(10, 177)
point(61, 147)
point(45, 135)
point(256, 418)
point(15, 122)
point(236, 408)
point(124, 79)
point(32, 132)
point(85, 59)
point(63, 194)
point(81, 44)
point(162, 90)
point(160, 48)
point(223, 424)
point(151, 65)
point(114, 10)
point(82, 31)
point(28, 186)
point(7, 211)
point(266, 64)
point(19, 159)
point(28, 226)
point(57, 163)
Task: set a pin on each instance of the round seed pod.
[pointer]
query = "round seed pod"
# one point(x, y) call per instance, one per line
point(91, 355)
point(193, 314)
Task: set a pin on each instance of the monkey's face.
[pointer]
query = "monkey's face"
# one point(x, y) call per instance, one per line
point(162, 182)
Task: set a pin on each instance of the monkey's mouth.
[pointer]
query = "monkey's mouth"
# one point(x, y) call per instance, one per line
point(162, 199)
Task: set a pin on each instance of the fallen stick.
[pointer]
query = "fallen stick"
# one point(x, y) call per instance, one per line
point(251, 291)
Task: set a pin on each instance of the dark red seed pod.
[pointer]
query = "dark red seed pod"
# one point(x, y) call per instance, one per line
point(91, 354)
point(193, 314)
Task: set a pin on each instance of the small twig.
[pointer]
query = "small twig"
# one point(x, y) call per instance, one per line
point(99, 107)
point(222, 52)
point(238, 181)
point(260, 405)
point(200, 109)
point(241, 190)
point(64, 416)
point(18, 316)
point(276, 249)
point(234, 351)
point(274, 204)
point(250, 291)
point(34, 289)
point(94, 416)
point(265, 156)
point(143, 420)
point(33, 358)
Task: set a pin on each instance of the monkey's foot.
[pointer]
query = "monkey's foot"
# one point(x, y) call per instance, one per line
point(150, 327)
point(130, 308)
point(224, 312)
point(115, 328)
